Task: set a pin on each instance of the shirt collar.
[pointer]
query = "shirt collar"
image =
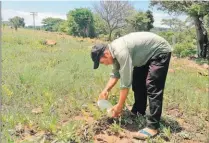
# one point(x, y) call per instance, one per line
point(111, 51)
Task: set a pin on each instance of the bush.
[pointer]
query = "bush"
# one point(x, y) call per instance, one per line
point(168, 35)
point(188, 52)
point(103, 37)
point(184, 49)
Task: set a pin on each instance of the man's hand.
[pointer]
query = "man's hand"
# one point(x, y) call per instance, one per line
point(103, 95)
point(109, 86)
point(116, 110)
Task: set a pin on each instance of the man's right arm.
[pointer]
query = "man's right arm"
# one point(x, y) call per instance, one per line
point(115, 75)
point(110, 84)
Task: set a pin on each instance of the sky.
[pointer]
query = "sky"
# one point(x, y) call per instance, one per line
point(59, 9)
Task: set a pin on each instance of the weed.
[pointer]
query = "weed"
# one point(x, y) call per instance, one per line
point(116, 128)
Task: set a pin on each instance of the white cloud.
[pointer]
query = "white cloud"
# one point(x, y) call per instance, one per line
point(9, 13)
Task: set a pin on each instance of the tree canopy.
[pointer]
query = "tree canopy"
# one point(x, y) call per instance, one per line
point(52, 24)
point(141, 21)
point(195, 9)
point(113, 13)
point(17, 22)
point(81, 22)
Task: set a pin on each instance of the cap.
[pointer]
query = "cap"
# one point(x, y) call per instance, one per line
point(96, 53)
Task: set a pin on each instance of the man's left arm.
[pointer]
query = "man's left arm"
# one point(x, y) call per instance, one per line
point(123, 95)
point(117, 109)
point(126, 72)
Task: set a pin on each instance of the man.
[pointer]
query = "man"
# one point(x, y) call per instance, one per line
point(140, 59)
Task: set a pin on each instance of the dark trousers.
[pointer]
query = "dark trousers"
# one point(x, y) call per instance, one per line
point(149, 81)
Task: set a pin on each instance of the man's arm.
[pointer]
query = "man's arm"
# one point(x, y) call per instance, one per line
point(123, 95)
point(111, 83)
point(114, 76)
point(117, 109)
point(126, 72)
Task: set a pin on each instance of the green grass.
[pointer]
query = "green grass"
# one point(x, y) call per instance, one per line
point(41, 76)
point(61, 81)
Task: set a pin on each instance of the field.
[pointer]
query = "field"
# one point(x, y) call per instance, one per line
point(49, 94)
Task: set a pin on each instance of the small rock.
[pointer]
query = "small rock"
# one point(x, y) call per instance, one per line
point(48, 42)
point(174, 57)
point(171, 70)
point(206, 66)
point(185, 135)
point(37, 110)
point(122, 135)
point(19, 128)
point(203, 73)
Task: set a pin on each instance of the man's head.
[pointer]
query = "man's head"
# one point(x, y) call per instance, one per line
point(101, 54)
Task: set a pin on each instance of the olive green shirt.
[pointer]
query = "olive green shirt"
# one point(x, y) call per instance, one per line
point(134, 50)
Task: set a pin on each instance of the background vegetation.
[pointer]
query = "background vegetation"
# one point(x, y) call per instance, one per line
point(111, 19)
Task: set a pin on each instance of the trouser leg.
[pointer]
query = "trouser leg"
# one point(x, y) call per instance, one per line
point(139, 89)
point(155, 83)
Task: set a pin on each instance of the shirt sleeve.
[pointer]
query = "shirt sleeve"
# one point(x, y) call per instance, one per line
point(115, 70)
point(126, 69)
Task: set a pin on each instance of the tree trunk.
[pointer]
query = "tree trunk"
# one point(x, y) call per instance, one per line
point(202, 38)
point(15, 28)
point(110, 35)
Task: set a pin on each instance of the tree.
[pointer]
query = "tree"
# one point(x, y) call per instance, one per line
point(100, 25)
point(140, 21)
point(113, 13)
point(151, 20)
point(168, 22)
point(175, 24)
point(17, 22)
point(81, 23)
point(5, 23)
point(197, 10)
point(52, 24)
point(63, 27)
point(206, 21)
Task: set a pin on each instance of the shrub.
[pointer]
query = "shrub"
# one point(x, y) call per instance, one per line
point(103, 37)
point(168, 35)
point(184, 49)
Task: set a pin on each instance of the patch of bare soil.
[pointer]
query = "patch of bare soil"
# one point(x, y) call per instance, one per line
point(189, 63)
point(30, 134)
point(128, 123)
